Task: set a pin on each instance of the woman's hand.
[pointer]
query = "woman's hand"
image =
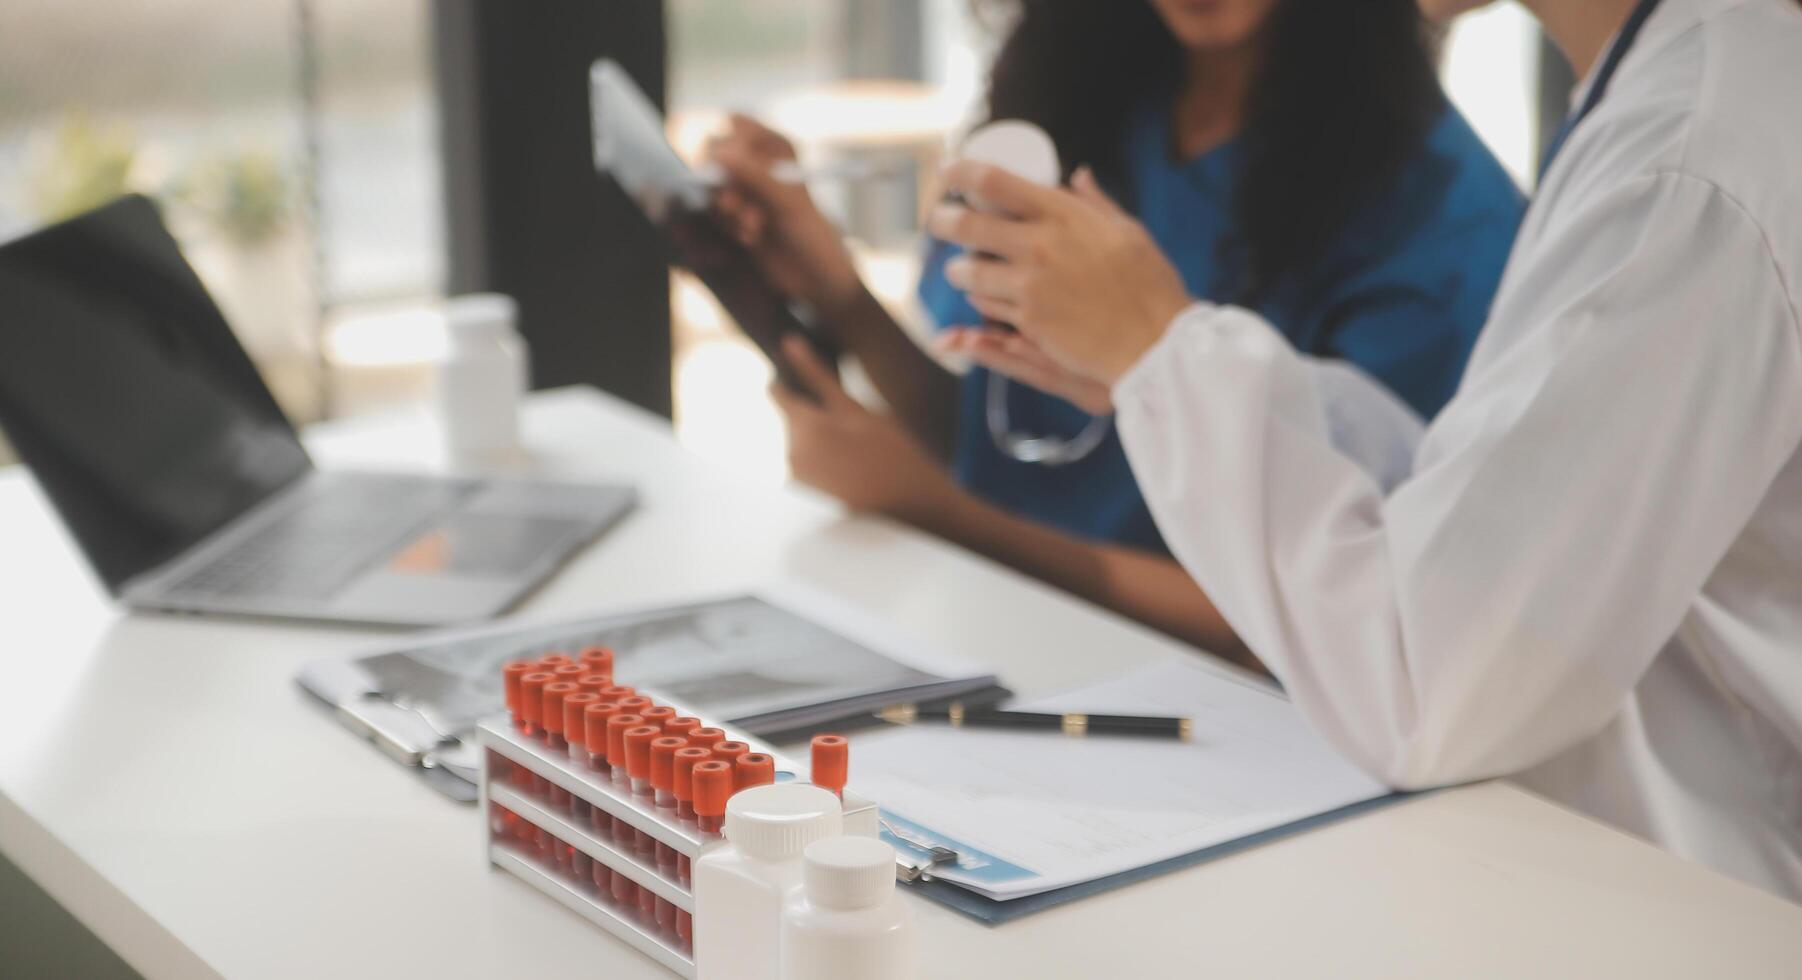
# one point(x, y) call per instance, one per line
point(797, 248)
point(1067, 267)
point(1014, 355)
point(864, 459)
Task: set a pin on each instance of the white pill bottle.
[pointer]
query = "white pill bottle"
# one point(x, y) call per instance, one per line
point(846, 922)
point(481, 382)
point(739, 888)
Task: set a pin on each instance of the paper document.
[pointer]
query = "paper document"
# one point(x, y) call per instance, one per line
point(1031, 811)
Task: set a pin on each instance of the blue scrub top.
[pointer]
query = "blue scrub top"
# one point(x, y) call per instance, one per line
point(1402, 295)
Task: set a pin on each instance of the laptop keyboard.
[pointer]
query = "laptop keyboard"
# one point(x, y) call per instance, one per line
point(341, 526)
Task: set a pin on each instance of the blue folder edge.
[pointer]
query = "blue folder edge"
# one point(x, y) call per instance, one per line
point(991, 912)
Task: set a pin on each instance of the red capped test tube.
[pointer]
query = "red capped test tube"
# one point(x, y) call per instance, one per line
point(633, 703)
point(831, 763)
point(595, 683)
point(617, 725)
point(551, 661)
point(531, 702)
point(683, 788)
point(618, 692)
point(594, 733)
point(510, 678)
point(728, 752)
point(598, 658)
point(713, 787)
point(658, 715)
point(663, 769)
point(574, 731)
point(682, 778)
point(569, 672)
point(554, 693)
point(753, 769)
point(663, 753)
point(706, 738)
point(681, 727)
point(638, 756)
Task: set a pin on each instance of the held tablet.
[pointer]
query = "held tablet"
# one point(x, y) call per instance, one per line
point(630, 147)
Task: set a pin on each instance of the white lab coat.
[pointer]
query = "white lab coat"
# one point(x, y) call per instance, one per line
point(1592, 578)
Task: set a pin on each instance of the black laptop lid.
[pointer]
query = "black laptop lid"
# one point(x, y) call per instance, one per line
point(124, 390)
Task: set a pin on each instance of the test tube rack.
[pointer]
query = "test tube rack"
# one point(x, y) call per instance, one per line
point(559, 826)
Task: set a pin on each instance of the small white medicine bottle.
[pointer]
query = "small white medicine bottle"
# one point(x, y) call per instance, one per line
point(482, 379)
point(846, 921)
point(739, 888)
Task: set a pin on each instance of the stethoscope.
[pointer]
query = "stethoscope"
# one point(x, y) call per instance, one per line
point(1041, 450)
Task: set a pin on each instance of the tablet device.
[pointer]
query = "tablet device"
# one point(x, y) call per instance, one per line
point(630, 147)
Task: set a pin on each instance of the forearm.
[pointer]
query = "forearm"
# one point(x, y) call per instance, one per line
point(1149, 588)
point(919, 392)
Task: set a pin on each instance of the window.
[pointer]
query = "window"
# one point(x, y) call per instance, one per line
point(292, 147)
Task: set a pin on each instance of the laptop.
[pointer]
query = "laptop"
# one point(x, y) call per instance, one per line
point(124, 390)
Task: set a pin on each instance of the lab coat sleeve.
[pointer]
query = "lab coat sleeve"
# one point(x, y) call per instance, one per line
point(1563, 512)
point(1366, 422)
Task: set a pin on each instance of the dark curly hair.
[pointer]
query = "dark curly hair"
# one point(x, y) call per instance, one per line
point(1345, 94)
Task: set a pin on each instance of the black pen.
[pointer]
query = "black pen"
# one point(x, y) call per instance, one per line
point(1070, 723)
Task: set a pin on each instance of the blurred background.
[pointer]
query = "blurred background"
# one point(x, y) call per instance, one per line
point(335, 167)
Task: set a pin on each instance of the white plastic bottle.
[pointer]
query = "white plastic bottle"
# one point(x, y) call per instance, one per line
point(739, 888)
point(482, 380)
point(846, 922)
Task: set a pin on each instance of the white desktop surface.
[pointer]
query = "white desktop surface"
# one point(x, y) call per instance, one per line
point(166, 782)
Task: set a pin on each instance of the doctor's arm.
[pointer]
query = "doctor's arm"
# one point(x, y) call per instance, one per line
point(1565, 510)
point(872, 464)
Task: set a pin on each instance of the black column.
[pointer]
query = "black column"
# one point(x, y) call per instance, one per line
point(526, 214)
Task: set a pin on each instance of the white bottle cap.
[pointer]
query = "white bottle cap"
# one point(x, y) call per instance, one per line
point(848, 872)
point(1016, 146)
point(778, 821)
point(478, 315)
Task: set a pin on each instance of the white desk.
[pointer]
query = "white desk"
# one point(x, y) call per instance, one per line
point(165, 781)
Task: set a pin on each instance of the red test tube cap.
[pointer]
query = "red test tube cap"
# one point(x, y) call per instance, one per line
point(595, 683)
point(658, 715)
point(573, 705)
point(633, 703)
point(510, 676)
point(682, 776)
point(638, 749)
point(599, 658)
point(663, 761)
point(531, 696)
point(831, 762)
point(681, 727)
point(618, 692)
point(570, 672)
point(554, 693)
point(617, 727)
point(706, 738)
point(728, 752)
point(713, 787)
point(753, 769)
point(551, 661)
point(594, 726)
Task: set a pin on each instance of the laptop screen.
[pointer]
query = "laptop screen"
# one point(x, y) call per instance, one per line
point(124, 390)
